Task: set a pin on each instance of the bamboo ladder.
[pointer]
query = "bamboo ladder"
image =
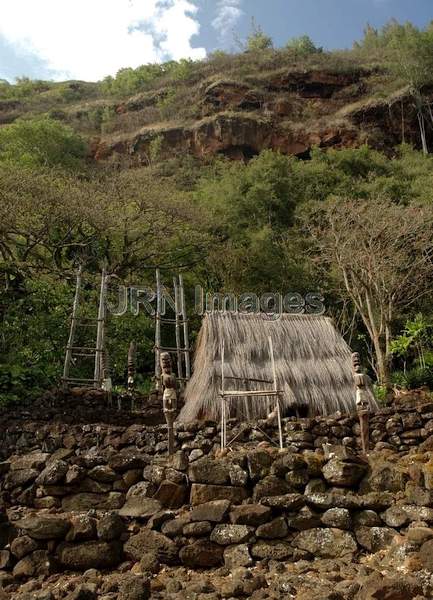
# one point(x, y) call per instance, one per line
point(180, 323)
point(73, 351)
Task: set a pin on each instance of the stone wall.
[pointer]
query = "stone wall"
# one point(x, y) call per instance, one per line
point(75, 497)
point(82, 496)
point(52, 428)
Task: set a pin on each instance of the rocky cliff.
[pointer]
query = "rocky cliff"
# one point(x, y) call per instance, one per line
point(236, 109)
point(290, 112)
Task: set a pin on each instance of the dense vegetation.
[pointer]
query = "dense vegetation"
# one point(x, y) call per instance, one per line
point(355, 225)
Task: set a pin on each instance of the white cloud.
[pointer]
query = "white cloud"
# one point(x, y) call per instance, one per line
point(228, 14)
point(89, 39)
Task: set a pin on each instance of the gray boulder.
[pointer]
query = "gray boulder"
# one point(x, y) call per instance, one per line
point(89, 555)
point(139, 506)
point(250, 514)
point(202, 554)
point(54, 473)
point(343, 473)
point(326, 543)
point(215, 511)
point(274, 529)
point(44, 527)
point(374, 538)
point(151, 541)
point(231, 534)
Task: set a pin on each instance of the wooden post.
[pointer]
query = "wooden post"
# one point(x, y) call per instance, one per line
point(158, 332)
point(363, 390)
point(131, 367)
point(247, 400)
point(107, 385)
point(277, 397)
point(222, 422)
point(185, 329)
point(68, 355)
point(223, 441)
point(178, 311)
point(280, 429)
point(100, 331)
point(131, 374)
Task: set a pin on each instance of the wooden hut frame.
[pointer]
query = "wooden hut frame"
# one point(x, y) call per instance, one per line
point(249, 395)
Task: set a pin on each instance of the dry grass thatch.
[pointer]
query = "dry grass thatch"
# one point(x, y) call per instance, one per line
point(312, 361)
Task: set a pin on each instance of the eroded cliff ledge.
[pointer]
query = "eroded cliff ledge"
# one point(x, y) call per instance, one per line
point(291, 112)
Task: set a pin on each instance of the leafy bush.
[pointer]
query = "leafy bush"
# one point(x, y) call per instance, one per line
point(23, 88)
point(155, 148)
point(414, 378)
point(41, 142)
point(34, 332)
point(129, 81)
point(303, 45)
point(167, 103)
point(179, 70)
point(380, 393)
point(258, 40)
point(22, 384)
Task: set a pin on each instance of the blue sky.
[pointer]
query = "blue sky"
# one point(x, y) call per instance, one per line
point(88, 39)
point(330, 23)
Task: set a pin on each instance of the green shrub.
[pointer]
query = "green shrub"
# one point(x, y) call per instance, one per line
point(41, 142)
point(22, 383)
point(380, 393)
point(303, 45)
point(167, 103)
point(34, 332)
point(23, 88)
point(155, 148)
point(181, 70)
point(129, 81)
point(258, 40)
point(414, 378)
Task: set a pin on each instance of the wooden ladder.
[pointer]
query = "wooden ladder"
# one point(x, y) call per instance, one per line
point(180, 323)
point(74, 351)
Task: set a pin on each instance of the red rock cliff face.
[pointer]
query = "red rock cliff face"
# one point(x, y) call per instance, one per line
point(290, 112)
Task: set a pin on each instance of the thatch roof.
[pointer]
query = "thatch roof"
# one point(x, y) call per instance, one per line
point(312, 361)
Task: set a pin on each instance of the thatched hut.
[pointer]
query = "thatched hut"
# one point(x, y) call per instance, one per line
point(312, 362)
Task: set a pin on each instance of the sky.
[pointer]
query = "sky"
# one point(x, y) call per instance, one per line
point(90, 39)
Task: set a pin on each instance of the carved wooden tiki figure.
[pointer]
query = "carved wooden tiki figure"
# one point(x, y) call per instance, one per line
point(363, 395)
point(169, 397)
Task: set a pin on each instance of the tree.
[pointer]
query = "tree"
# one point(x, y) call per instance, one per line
point(50, 220)
point(409, 51)
point(414, 65)
point(247, 207)
point(147, 222)
point(382, 255)
point(258, 40)
point(303, 45)
point(41, 142)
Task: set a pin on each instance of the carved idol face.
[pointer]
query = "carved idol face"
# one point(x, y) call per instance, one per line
point(166, 362)
point(356, 362)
